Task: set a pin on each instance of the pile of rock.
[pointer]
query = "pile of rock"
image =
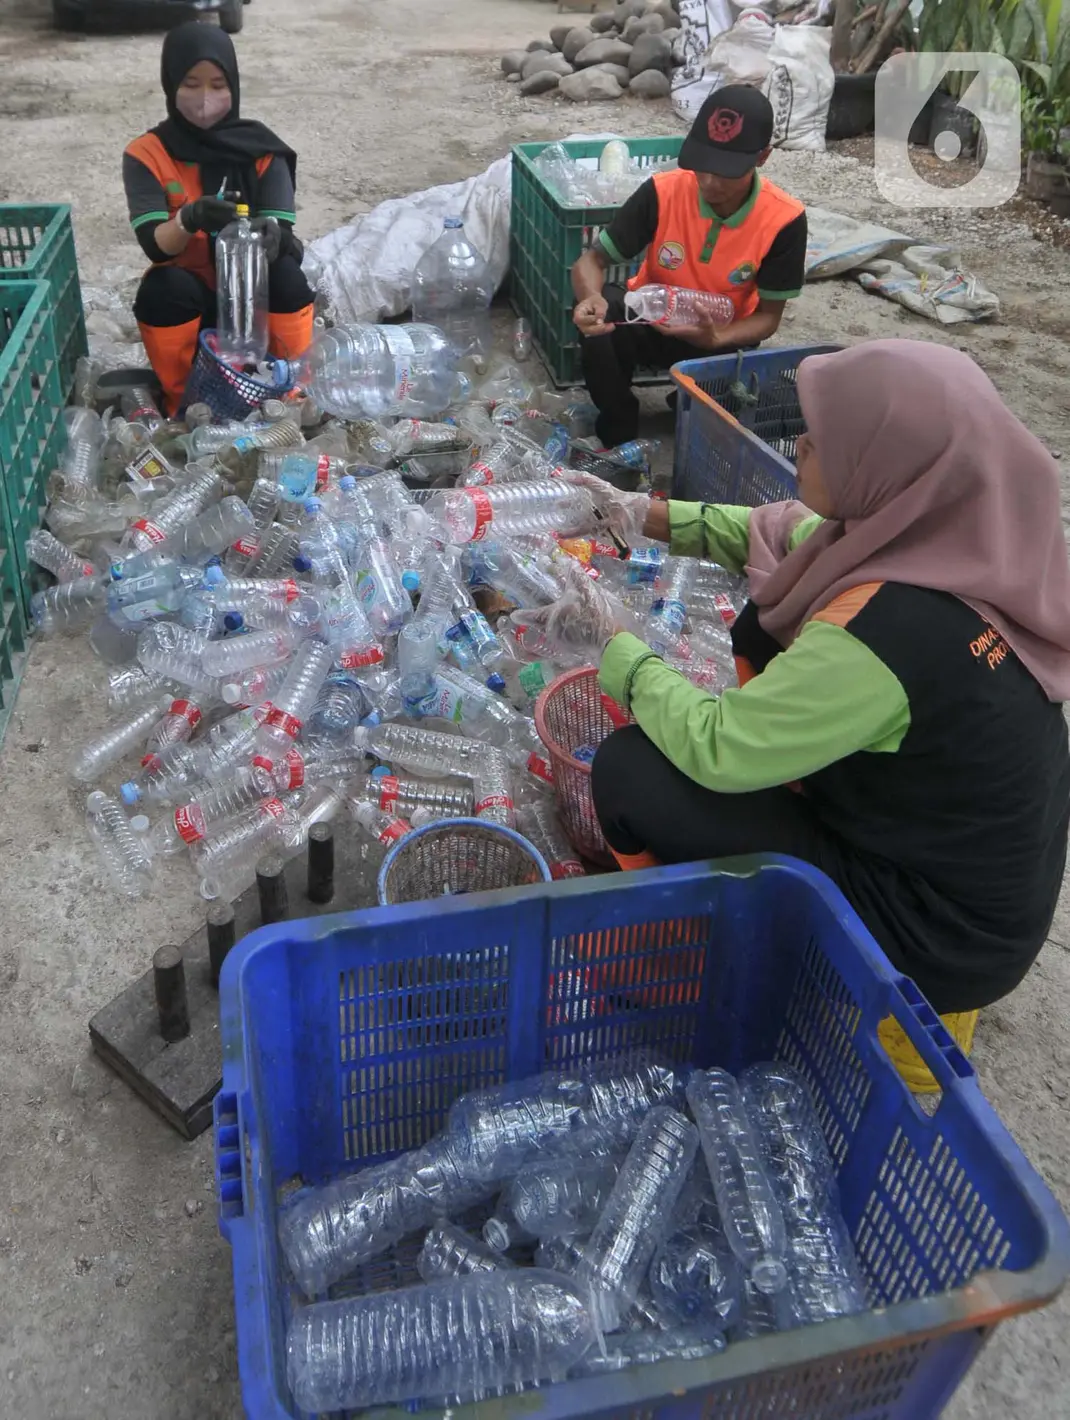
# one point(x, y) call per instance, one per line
point(628, 48)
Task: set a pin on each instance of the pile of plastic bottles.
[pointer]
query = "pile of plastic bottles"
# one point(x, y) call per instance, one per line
point(640, 1213)
point(293, 609)
point(606, 181)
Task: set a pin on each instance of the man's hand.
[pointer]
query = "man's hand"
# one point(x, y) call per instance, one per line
point(704, 335)
point(590, 316)
point(207, 214)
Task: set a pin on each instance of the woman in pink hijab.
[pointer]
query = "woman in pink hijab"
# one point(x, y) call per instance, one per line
point(904, 658)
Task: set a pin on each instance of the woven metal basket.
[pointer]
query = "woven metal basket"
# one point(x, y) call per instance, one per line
point(456, 856)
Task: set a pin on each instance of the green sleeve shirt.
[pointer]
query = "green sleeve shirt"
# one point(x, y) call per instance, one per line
point(826, 697)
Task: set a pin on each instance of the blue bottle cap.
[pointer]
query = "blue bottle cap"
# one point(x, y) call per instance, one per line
point(302, 564)
point(313, 505)
point(129, 792)
point(496, 683)
point(116, 570)
point(233, 621)
point(347, 482)
point(374, 718)
point(410, 581)
point(453, 222)
point(214, 575)
point(381, 771)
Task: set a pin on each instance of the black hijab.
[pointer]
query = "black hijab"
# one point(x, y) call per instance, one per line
point(227, 152)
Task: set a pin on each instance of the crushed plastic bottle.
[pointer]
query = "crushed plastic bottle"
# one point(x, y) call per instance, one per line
point(449, 1251)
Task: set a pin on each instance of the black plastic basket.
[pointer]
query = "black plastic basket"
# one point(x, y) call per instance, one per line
point(227, 392)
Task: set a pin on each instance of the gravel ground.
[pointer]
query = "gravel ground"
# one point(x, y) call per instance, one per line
point(115, 1294)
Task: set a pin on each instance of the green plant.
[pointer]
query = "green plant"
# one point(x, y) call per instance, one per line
point(1043, 118)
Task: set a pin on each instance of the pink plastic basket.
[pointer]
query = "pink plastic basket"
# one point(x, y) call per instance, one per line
point(573, 715)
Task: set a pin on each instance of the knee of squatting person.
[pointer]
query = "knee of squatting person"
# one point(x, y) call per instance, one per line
point(182, 180)
point(906, 653)
point(715, 224)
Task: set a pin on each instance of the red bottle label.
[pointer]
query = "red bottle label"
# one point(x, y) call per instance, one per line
point(279, 720)
point(484, 512)
point(570, 868)
point(353, 660)
point(151, 531)
point(186, 821)
point(323, 472)
point(188, 711)
point(388, 791)
point(395, 829)
point(494, 801)
point(540, 768)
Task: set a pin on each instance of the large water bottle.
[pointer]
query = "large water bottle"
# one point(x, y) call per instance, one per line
point(452, 289)
point(677, 305)
point(242, 290)
point(637, 1212)
point(461, 1337)
point(750, 1214)
point(191, 822)
point(371, 371)
point(471, 514)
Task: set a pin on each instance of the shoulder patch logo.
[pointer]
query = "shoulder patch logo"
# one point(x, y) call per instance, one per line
point(671, 256)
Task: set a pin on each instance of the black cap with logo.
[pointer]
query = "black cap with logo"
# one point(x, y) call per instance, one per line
point(733, 128)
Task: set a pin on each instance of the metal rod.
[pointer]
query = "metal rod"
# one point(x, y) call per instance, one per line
point(172, 1006)
point(220, 937)
point(321, 862)
point(271, 886)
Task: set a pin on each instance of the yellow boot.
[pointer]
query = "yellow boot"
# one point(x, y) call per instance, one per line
point(919, 1078)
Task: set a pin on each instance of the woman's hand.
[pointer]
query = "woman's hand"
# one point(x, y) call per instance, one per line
point(626, 513)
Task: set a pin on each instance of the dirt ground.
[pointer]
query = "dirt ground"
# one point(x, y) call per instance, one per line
point(115, 1291)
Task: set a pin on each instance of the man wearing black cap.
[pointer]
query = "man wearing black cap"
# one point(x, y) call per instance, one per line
point(713, 225)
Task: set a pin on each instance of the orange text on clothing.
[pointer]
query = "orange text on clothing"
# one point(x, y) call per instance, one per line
point(992, 646)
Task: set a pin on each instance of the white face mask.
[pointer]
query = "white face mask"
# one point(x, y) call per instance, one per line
point(205, 108)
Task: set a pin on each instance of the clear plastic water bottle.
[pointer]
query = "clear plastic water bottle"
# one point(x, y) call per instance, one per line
point(377, 583)
point(253, 687)
point(497, 1131)
point(342, 703)
point(485, 642)
point(539, 823)
point(171, 512)
point(242, 292)
point(68, 605)
point(695, 1278)
point(639, 1208)
point(116, 742)
point(442, 597)
point(382, 824)
point(471, 514)
point(418, 750)
point(669, 613)
point(175, 652)
point(140, 408)
point(276, 549)
point(56, 557)
point(130, 686)
point(191, 822)
point(160, 591)
point(404, 796)
point(208, 439)
point(241, 456)
point(210, 533)
point(293, 704)
point(749, 1211)
point(462, 1337)
point(514, 572)
point(80, 466)
point(372, 371)
point(322, 549)
point(452, 289)
point(419, 654)
point(498, 464)
point(449, 1251)
point(120, 843)
point(226, 860)
point(677, 305)
point(522, 340)
point(561, 1198)
point(176, 726)
point(424, 436)
point(172, 774)
point(493, 790)
point(646, 1346)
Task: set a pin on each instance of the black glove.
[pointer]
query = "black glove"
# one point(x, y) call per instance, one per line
point(271, 235)
point(207, 214)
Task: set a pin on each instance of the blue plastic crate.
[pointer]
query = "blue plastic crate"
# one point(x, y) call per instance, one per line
point(735, 448)
point(345, 1039)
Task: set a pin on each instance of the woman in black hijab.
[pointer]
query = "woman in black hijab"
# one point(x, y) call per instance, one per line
point(183, 180)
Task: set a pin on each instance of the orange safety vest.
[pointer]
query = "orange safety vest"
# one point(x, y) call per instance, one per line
point(182, 183)
point(695, 248)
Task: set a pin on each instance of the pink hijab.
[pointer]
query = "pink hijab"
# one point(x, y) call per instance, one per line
point(935, 484)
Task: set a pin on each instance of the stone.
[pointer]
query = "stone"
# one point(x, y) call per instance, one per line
point(576, 40)
point(560, 33)
point(650, 84)
point(627, 9)
point(542, 81)
point(603, 22)
point(650, 52)
point(649, 25)
point(590, 86)
point(619, 72)
point(555, 63)
point(540, 44)
point(512, 78)
point(672, 34)
point(604, 51)
point(630, 32)
point(513, 61)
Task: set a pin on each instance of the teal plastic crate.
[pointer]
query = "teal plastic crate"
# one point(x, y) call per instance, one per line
point(346, 1039)
point(37, 244)
point(31, 418)
point(546, 239)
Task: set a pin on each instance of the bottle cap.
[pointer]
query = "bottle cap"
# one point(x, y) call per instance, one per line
point(313, 506)
point(139, 823)
point(231, 694)
point(410, 581)
point(242, 210)
point(129, 792)
point(233, 621)
point(214, 575)
point(302, 564)
point(347, 482)
point(496, 683)
point(381, 771)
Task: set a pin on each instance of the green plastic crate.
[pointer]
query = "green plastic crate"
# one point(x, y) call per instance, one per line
point(32, 432)
point(546, 238)
point(37, 244)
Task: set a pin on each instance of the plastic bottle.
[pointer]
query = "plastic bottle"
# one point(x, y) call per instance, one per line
point(423, 436)
point(261, 649)
point(825, 1280)
point(493, 790)
point(646, 1346)
point(506, 567)
point(497, 1131)
point(342, 703)
point(471, 514)
point(322, 552)
point(381, 824)
point(487, 645)
point(177, 725)
point(665, 624)
point(129, 686)
point(418, 750)
point(160, 591)
point(116, 742)
point(562, 1198)
point(174, 773)
point(452, 289)
point(419, 654)
point(175, 652)
point(377, 584)
point(208, 439)
point(695, 1278)
point(449, 1251)
point(240, 457)
point(498, 464)
point(442, 597)
point(226, 859)
point(677, 305)
point(293, 704)
point(191, 822)
point(461, 1337)
point(81, 458)
point(56, 557)
point(750, 1214)
point(170, 513)
point(242, 291)
point(120, 843)
point(522, 339)
point(539, 823)
point(275, 553)
point(370, 371)
point(404, 796)
point(637, 1212)
point(209, 533)
point(253, 687)
point(68, 605)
